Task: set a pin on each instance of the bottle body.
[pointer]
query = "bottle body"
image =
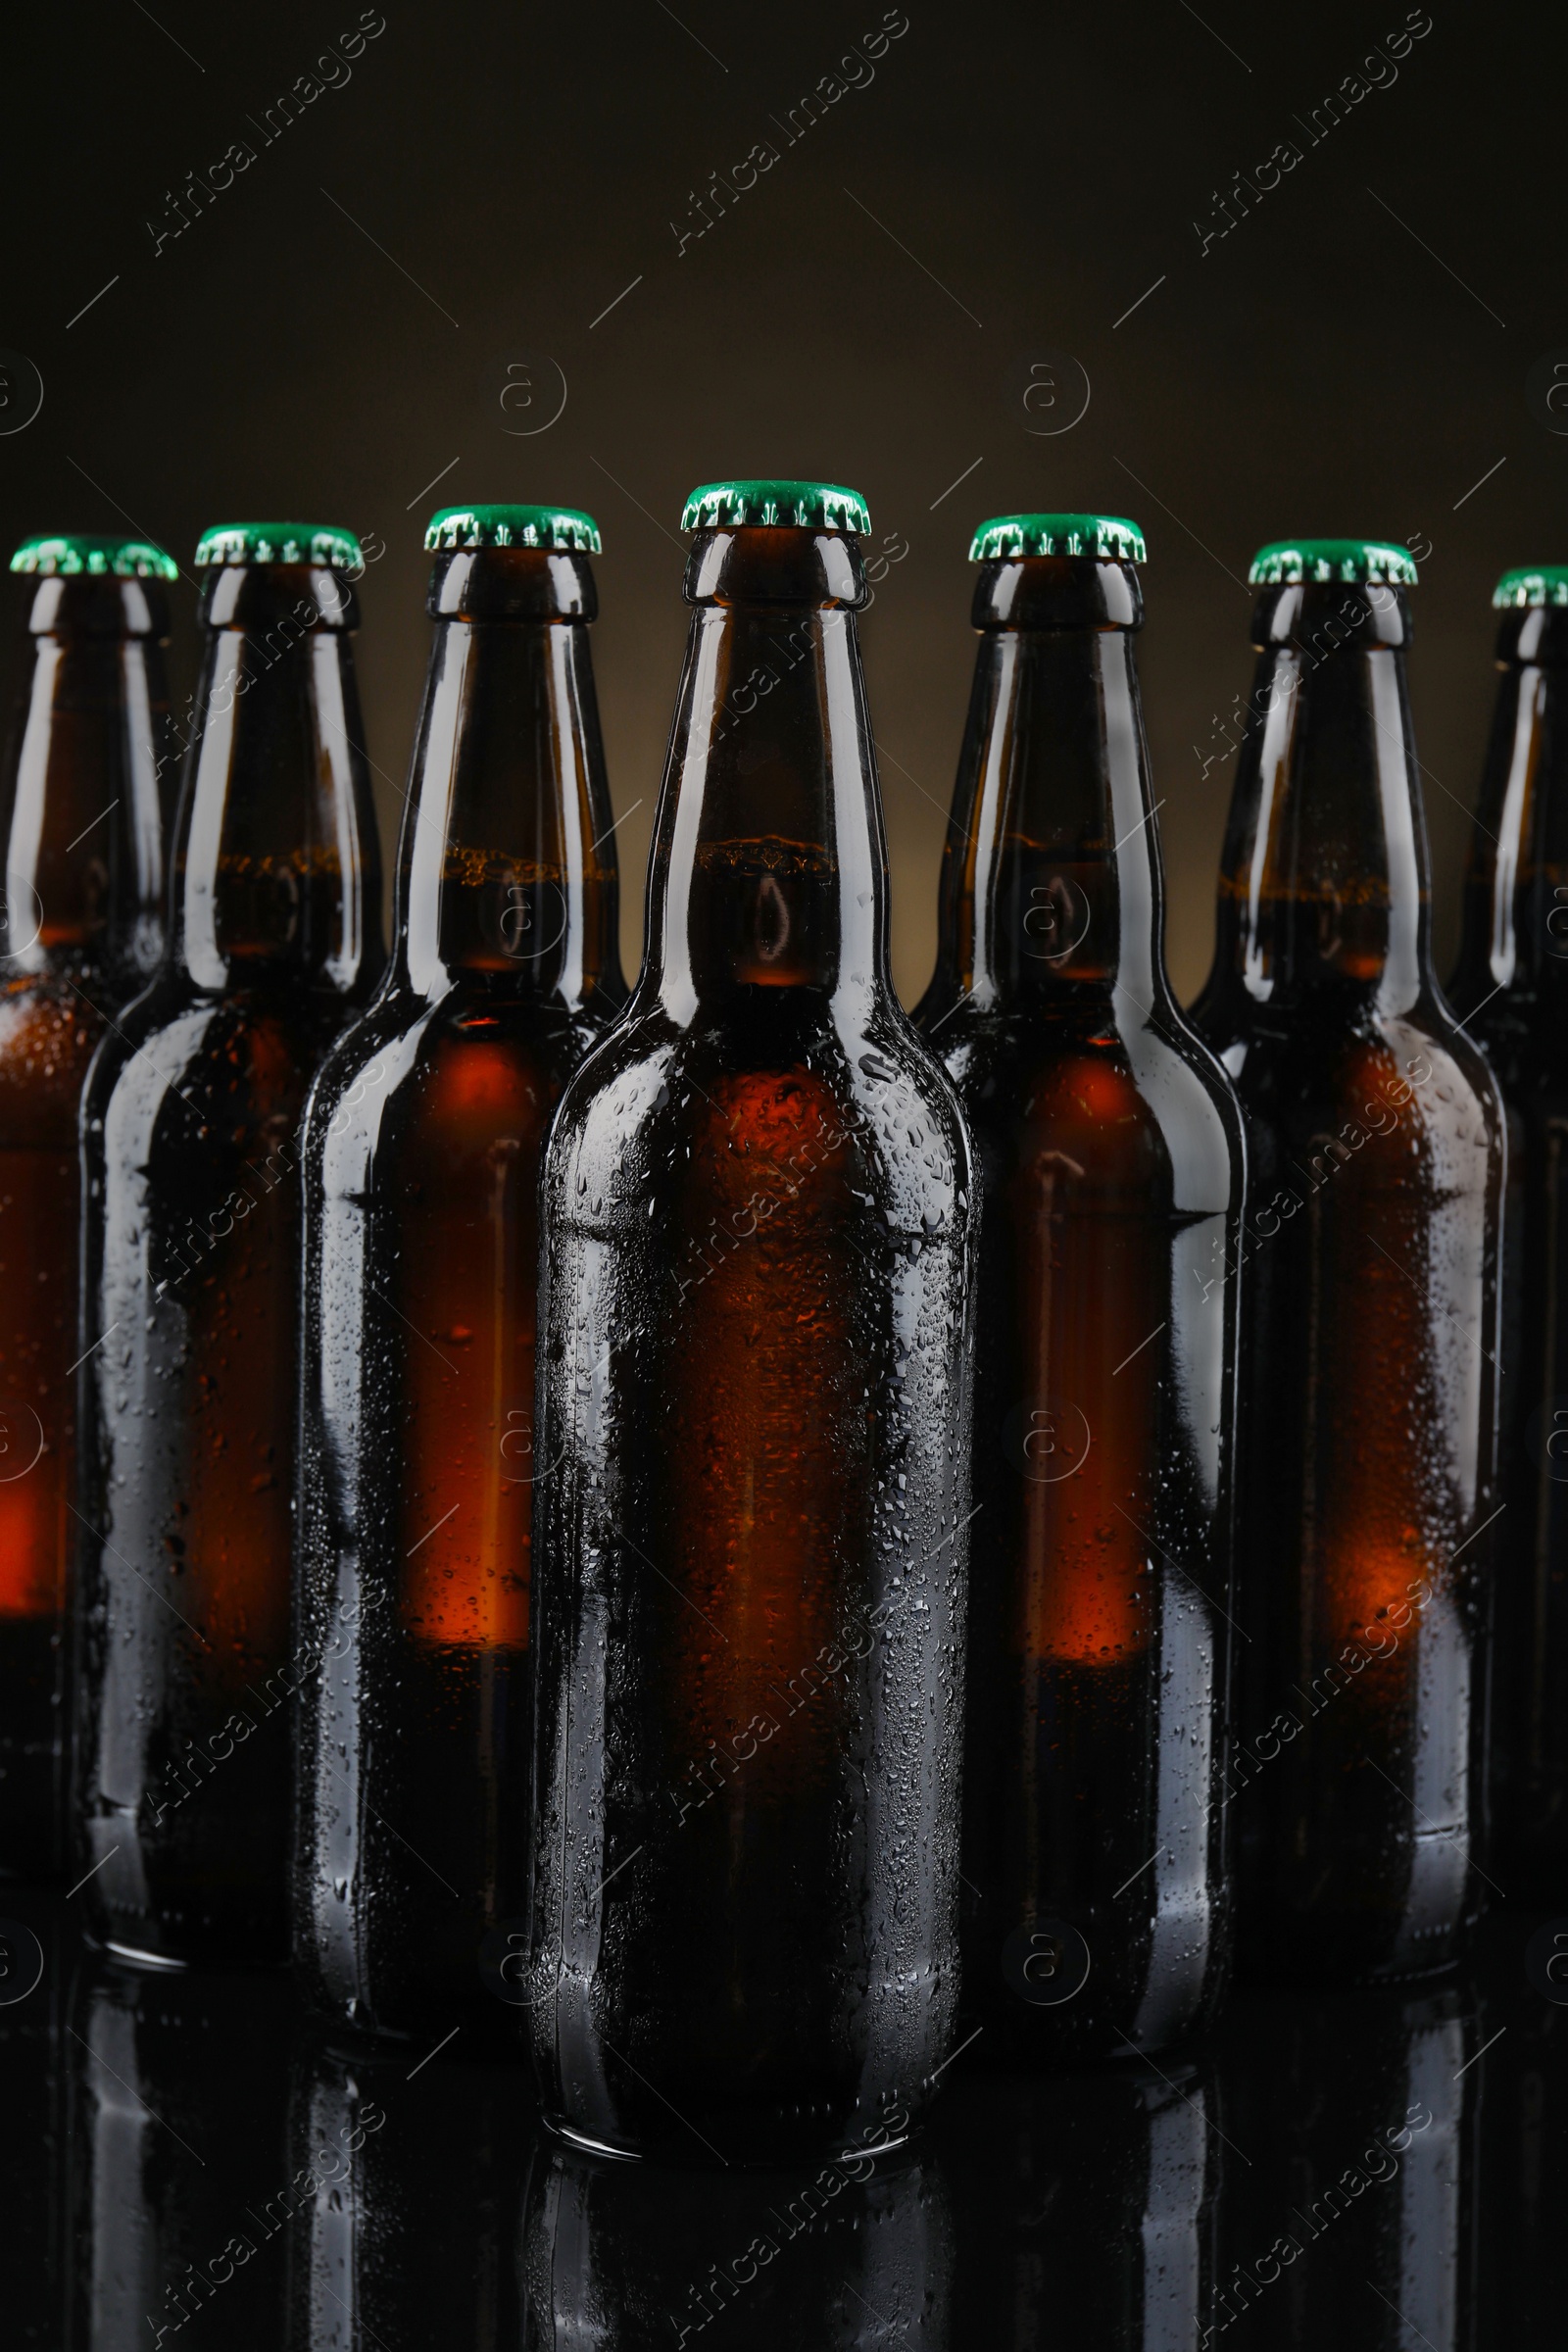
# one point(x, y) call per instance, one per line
point(421, 1178)
point(749, 1546)
point(190, 1307)
point(81, 930)
point(1375, 1156)
point(1109, 1169)
point(1513, 971)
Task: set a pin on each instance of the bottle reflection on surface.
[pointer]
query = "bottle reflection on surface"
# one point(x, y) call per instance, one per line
point(1350, 2207)
point(406, 2189)
point(1085, 2205)
point(36, 1953)
point(852, 2256)
point(1523, 2027)
point(178, 2210)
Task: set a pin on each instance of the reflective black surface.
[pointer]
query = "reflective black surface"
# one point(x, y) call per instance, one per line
point(188, 2161)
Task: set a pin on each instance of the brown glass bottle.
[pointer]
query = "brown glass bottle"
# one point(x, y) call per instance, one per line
point(1110, 1166)
point(749, 1546)
point(1376, 1151)
point(190, 1307)
point(1510, 988)
point(422, 1250)
point(80, 929)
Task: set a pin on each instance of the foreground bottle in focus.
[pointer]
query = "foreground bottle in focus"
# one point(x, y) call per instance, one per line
point(421, 1162)
point(1110, 1163)
point(750, 1537)
point(1510, 986)
point(1376, 1155)
point(190, 1310)
point(81, 927)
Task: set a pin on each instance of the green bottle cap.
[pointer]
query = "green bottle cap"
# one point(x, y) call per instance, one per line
point(1286, 562)
point(1109, 537)
point(784, 506)
point(70, 552)
point(1536, 584)
point(279, 543)
point(566, 528)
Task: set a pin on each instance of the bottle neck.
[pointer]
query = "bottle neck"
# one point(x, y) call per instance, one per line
point(1516, 934)
point(276, 865)
point(1052, 892)
point(1324, 882)
point(770, 869)
point(84, 871)
point(507, 869)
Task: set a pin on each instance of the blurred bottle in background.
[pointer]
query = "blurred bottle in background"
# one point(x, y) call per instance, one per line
point(80, 931)
point(1369, 1284)
point(191, 1288)
point(1510, 988)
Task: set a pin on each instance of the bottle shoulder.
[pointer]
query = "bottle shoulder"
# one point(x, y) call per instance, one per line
point(250, 1051)
point(1140, 1103)
point(49, 1032)
point(1303, 1073)
point(469, 1063)
point(658, 1107)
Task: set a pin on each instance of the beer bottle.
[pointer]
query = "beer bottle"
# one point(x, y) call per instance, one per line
point(423, 1248)
point(750, 1548)
point(190, 1309)
point(1510, 986)
point(1375, 1145)
point(81, 925)
point(1108, 1158)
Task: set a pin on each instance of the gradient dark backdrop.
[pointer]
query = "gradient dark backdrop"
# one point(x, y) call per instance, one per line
point(331, 332)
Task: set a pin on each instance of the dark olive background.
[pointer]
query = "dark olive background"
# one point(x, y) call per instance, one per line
point(510, 169)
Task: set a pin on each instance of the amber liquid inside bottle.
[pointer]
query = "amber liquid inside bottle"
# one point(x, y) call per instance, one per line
point(81, 924)
point(1510, 987)
point(1370, 1289)
point(420, 1467)
point(191, 1302)
point(749, 1546)
point(1097, 1901)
